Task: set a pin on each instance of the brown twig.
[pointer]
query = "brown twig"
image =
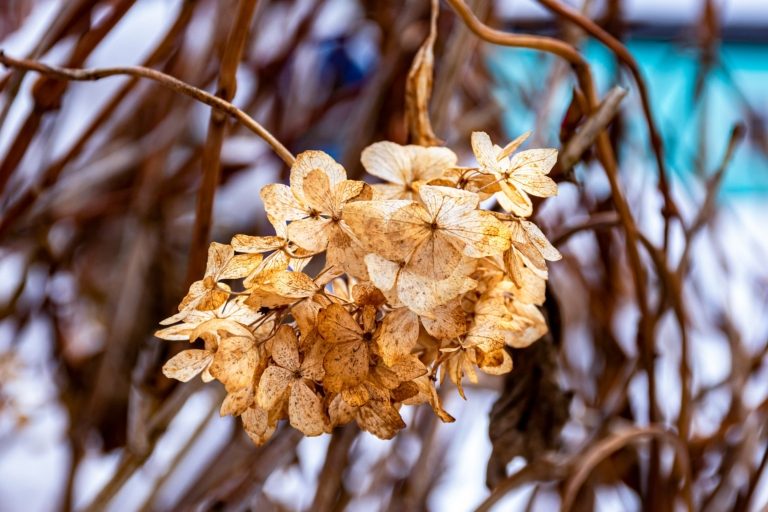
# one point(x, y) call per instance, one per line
point(52, 173)
point(540, 471)
point(163, 79)
point(607, 159)
point(708, 207)
point(629, 61)
point(329, 482)
point(584, 464)
point(602, 220)
point(227, 86)
point(591, 128)
point(47, 93)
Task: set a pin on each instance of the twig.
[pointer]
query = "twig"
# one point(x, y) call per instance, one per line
point(211, 163)
point(174, 84)
point(708, 207)
point(584, 464)
point(329, 481)
point(535, 472)
point(47, 93)
point(51, 174)
point(597, 221)
point(175, 463)
point(625, 56)
point(608, 161)
point(592, 127)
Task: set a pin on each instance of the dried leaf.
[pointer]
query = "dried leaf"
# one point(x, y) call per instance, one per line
point(418, 87)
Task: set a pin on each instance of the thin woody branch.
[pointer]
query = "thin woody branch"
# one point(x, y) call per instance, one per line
point(172, 83)
point(646, 327)
point(592, 127)
point(211, 158)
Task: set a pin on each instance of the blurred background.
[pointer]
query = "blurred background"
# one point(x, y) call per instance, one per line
point(100, 183)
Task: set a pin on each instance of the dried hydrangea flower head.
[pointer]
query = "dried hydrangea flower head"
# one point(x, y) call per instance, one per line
point(418, 283)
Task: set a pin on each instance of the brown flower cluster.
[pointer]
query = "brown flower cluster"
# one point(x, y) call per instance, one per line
point(418, 282)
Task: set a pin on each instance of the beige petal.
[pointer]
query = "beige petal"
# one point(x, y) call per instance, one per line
point(175, 332)
point(538, 240)
point(346, 364)
point(388, 161)
point(374, 225)
point(256, 424)
point(385, 192)
point(408, 368)
point(311, 233)
point(497, 362)
point(312, 366)
point(514, 265)
point(336, 325)
point(429, 163)
point(445, 203)
point(256, 244)
point(406, 229)
point(274, 387)
point(275, 262)
point(484, 151)
point(346, 191)
point(218, 256)
point(381, 377)
point(237, 402)
point(428, 394)
point(281, 203)
point(436, 257)
point(340, 412)
point(214, 298)
point(185, 365)
point(235, 362)
point(294, 285)
point(479, 234)
point(365, 293)
point(514, 200)
point(449, 322)
point(380, 419)
point(220, 326)
point(309, 161)
point(539, 161)
point(316, 189)
point(178, 317)
point(305, 313)
point(346, 253)
point(240, 266)
point(535, 184)
point(285, 348)
point(306, 411)
point(356, 396)
point(533, 326)
point(512, 146)
point(404, 391)
point(383, 273)
point(397, 335)
point(424, 294)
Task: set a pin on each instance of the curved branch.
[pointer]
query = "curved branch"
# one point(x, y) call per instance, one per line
point(542, 43)
point(646, 344)
point(584, 464)
point(630, 63)
point(211, 157)
point(174, 84)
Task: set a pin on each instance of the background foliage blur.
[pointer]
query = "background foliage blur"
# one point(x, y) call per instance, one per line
point(99, 206)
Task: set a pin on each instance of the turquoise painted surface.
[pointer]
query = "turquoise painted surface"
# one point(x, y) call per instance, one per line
point(738, 83)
